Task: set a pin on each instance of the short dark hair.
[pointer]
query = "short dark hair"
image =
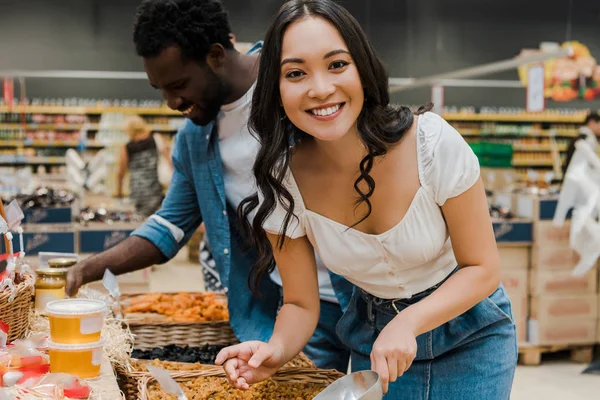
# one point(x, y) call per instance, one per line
point(193, 25)
point(592, 116)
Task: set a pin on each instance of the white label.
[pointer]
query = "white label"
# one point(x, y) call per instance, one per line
point(535, 89)
point(97, 357)
point(90, 325)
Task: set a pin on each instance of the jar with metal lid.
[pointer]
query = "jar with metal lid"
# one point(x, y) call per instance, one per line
point(49, 286)
point(61, 262)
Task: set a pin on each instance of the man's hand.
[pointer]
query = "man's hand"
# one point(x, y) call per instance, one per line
point(75, 278)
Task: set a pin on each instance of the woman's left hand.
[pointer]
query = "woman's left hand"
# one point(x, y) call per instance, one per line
point(394, 351)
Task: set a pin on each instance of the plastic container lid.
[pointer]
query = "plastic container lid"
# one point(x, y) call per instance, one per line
point(61, 262)
point(76, 347)
point(51, 271)
point(75, 307)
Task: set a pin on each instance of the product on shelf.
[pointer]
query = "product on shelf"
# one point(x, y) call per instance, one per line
point(101, 214)
point(44, 197)
point(204, 355)
point(180, 307)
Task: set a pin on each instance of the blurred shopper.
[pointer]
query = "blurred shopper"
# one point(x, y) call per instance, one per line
point(141, 157)
point(590, 132)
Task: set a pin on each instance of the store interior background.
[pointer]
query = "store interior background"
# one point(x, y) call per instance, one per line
point(414, 38)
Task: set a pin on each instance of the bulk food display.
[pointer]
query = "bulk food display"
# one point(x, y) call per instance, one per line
point(98, 346)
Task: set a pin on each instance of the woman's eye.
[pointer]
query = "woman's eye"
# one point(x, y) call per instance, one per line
point(294, 74)
point(338, 64)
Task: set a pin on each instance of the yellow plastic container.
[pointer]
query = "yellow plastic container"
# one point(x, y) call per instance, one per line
point(76, 321)
point(82, 360)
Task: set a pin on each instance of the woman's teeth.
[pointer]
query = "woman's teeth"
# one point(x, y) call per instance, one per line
point(323, 112)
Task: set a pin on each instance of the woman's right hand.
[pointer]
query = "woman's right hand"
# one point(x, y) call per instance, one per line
point(249, 362)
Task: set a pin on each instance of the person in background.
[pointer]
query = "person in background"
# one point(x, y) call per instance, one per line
point(189, 57)
point(140, 156)
point(590, 132)
point(388, 198)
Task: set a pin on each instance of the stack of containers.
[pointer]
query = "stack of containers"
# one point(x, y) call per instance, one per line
point(76, 341)
point(563, 308)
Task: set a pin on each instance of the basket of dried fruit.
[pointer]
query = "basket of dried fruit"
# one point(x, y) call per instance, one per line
point(192, 319)
point(129, 380)
point(210, 383)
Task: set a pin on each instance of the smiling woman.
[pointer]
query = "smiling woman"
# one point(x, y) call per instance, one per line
point(391, 200)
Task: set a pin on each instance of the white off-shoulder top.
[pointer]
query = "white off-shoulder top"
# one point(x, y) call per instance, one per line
point(416, 253)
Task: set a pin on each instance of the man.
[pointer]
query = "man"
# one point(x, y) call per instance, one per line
point(590, 132)
point(188, 55)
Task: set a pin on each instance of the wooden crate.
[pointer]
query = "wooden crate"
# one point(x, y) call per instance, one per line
point(544, 308)
point(532, 355)
point(559, 282)
point(562, 331)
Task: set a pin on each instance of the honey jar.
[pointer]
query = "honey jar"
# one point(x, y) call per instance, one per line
point(76, 321)
point(81, 360)
point(49, 286)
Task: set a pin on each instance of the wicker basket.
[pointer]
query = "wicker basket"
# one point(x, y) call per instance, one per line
point(286, 375)
point(150, 332)
point(16, 313)
point(129, 381)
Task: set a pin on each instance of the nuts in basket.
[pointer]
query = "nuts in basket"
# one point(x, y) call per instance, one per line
point(215, 388)
point(180, 307)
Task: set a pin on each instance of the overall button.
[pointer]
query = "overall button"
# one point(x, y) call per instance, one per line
point(226, 251)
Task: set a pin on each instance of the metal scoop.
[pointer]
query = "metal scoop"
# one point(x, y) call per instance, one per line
point(363, 385)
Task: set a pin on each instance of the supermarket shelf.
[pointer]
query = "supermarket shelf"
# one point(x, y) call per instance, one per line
point(531, 163)
point(155, 127)
point(88, 110)
point(76, 127)
point(48, 143)
point(538, 147)
point(488, 134)
point(572, 119)
point(63, 127)
point(22, 160)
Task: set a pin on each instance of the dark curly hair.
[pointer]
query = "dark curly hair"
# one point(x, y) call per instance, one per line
point(193, 25)
point(380, 125)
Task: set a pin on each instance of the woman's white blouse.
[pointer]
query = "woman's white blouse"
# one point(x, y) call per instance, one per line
point(416, 253)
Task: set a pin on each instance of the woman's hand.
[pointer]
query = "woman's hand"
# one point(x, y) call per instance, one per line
point(249, 362)
point(394, 350)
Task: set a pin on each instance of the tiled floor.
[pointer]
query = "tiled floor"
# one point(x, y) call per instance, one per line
point(553, 380)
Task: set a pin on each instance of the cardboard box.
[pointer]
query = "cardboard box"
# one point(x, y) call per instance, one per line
point(521, 325)
point(556, 257)
point(544, 282)
point(562, 331)
point(544, 308)
point(519, 305)
point(545, 234)
point(598, 331)
point(515, 281)
point(514, 257)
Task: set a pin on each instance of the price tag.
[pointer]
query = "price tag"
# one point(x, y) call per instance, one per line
point(536, 101)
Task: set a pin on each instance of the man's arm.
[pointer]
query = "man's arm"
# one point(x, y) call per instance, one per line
point(158, 239)
point(130, 255)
